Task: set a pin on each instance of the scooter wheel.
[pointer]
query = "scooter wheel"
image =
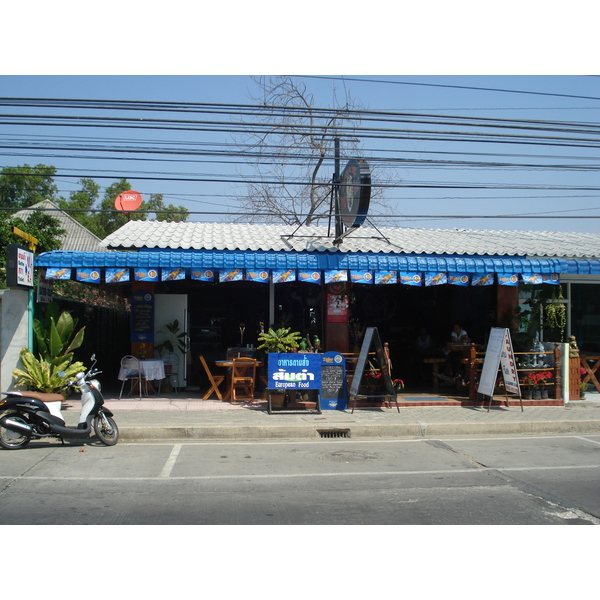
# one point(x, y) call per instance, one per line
point(12, 440)
point(106, 429)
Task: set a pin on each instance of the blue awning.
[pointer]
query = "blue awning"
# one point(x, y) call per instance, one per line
point(249, 259)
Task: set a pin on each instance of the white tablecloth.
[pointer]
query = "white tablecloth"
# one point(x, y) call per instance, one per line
point(152, 369)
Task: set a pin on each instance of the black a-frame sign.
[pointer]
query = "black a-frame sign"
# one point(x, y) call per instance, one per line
point(372, 342)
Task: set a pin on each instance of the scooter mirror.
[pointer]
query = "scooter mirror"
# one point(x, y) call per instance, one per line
point(93, 358)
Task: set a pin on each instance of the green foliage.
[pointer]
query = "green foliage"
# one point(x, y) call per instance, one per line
point(555, 314)
point(279, 340)
point(176, 338)
point(42, 375)
point(56, 342)
point(91, 294)
point(81, 203)
point(23, 186)
point(58, 337)
point(168, 213)
point(38, 224)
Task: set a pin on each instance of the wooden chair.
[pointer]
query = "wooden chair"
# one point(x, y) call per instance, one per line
point(243, 377)
point(131, 370)
point(215, 381)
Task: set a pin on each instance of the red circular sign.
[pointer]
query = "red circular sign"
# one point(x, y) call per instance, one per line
point(128, 201)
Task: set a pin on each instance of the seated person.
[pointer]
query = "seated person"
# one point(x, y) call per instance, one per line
point(459, 334)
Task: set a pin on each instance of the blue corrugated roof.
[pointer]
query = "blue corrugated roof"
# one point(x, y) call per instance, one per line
point(251, 259)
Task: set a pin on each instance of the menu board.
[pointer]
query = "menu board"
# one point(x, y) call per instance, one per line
point(499, 352)
point(333, 381)
point(142, 317)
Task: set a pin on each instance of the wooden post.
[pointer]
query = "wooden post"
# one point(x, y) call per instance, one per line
point(472, 372)
point(557, 373)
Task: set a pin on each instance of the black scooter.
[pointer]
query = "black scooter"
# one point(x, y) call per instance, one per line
point(33, 415)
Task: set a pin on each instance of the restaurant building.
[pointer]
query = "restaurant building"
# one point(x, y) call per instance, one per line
point(225, 283)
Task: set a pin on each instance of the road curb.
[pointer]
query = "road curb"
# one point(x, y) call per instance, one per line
point(351, 430)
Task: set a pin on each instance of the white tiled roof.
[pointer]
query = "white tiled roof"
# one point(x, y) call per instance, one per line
point(230, 236)
point(77, 238)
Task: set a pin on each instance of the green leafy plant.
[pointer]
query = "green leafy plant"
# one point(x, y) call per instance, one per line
point(583, 386)
point(56, 342)
point(58, 338)
point(175, 339)
point(279, 340)
point(42, 375)
point(398, 385)
point(555, 313)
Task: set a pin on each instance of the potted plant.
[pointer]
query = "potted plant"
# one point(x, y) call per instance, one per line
point(278, 341)
point(54, 366)
point(175, 340)
point(529, 382)
point(398, 385)
point(582, 386)
point(543, 378)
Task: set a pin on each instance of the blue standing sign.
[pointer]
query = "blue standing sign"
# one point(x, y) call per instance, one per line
point(333, 381)
point(299, 372)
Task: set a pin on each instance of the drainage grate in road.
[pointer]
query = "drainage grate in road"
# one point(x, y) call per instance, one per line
point(334, 433)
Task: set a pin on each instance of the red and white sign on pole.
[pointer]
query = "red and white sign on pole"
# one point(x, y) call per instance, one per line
point(128, 201)
point(499, 352)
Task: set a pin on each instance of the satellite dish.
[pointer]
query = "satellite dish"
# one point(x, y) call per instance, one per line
point(128, 201)
point(355, 193)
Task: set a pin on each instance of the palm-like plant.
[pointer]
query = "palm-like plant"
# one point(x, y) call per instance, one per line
point(56, 343)
point(176, 338)
point(279, 340)
point(46, 376)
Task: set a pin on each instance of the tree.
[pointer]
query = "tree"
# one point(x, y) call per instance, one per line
point(21, 187)
point(291, 150)
point(168, 213)
point(112, 221)
point(40, 225)
point(83, 199)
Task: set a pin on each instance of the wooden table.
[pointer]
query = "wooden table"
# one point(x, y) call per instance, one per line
point(468, 352)
point(590, 371)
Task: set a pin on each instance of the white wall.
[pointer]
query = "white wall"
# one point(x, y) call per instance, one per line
point(14, 332)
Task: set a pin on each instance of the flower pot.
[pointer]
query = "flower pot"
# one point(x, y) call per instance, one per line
point(544, 394)
point(537, 395)
point(277, 399)
point(527, 394)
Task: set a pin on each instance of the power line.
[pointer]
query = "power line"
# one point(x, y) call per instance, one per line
point(457, 87)
point(300, 215)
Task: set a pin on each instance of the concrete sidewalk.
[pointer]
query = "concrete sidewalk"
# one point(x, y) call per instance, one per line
point(183, 418)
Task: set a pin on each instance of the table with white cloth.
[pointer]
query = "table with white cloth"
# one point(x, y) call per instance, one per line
point(153, 369)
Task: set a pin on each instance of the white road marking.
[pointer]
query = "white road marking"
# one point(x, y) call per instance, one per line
point(171, 461)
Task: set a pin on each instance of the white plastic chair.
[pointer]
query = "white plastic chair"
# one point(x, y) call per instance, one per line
point(131, 370)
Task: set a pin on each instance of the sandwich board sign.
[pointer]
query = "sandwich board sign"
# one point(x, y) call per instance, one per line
point(372, 342)
point(499, 353)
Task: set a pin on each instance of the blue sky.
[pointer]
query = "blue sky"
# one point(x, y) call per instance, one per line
point(211, 56)
point(548, 98)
